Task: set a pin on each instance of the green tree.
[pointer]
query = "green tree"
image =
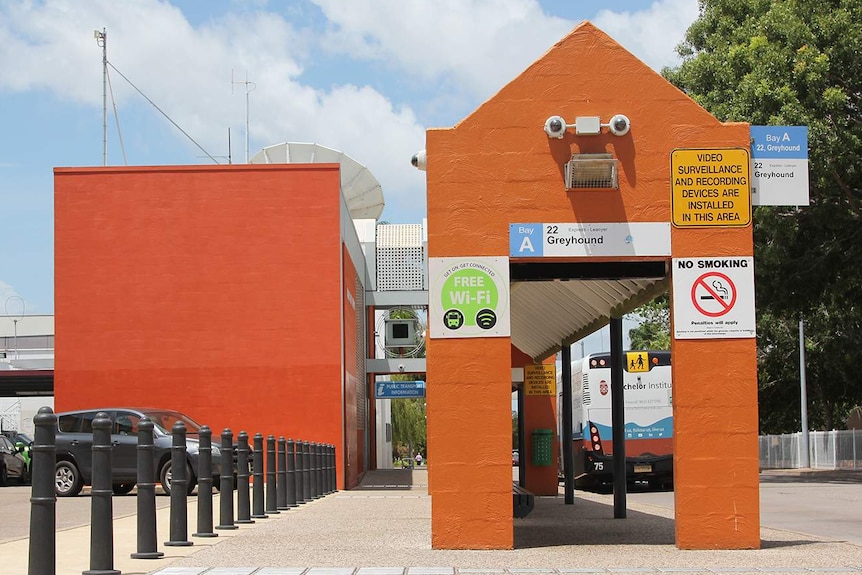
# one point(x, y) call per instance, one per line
point(514, 430)
point(653, 332)
point(795, 62)
point(408, 426)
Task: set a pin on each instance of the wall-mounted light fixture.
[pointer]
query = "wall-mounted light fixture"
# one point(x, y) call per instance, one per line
point(592, 171)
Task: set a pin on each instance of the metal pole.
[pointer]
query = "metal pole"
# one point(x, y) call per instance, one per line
point(618, 418)
point(146, 502)
point(205, 483)
point(271, 507)
point(805, 459)
point(226, 481)
point(243, 514)
point(101, 499)
point(43, 498)
point(566, 428)
point(522, 440)
point(291, 473)
point(257, 502)
point(179, 489)
point(102, 41)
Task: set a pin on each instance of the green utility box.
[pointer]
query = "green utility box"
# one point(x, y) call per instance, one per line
point(543, 447)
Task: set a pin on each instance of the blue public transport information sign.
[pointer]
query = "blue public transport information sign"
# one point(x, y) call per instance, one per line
point(399, 389)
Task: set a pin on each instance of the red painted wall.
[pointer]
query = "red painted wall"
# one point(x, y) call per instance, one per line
point(212, 290)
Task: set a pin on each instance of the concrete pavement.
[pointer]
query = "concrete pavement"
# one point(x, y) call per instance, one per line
point(383, 528)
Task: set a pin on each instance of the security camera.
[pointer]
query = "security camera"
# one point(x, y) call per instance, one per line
point(401, 367)
point(419, 160)
point(555, 127)
point(619, 125)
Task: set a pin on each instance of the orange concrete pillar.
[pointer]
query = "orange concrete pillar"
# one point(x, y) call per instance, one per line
point(540, 412)
point(716, 481)
point(469, 430)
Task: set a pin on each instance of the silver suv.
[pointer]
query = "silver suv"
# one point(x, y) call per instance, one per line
point(75, 444)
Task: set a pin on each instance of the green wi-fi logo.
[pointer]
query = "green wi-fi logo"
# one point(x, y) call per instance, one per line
point(486, 318)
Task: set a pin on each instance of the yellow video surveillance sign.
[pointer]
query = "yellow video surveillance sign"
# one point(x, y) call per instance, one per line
point(711, 187)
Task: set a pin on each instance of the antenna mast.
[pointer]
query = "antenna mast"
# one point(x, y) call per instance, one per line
point(249, 88)
point(102, 41)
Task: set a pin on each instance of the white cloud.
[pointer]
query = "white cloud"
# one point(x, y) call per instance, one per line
point(455, 52)
point(477, 44)
point(186, 71)
point(653, 34)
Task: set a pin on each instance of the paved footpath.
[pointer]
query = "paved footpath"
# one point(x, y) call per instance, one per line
point(383, 528)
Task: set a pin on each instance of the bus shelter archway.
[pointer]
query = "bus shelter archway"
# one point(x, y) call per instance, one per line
point(542, 155)
point(564, 302)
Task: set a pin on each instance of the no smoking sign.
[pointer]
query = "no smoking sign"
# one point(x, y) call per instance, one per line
point(713, 294)
point(713, 298)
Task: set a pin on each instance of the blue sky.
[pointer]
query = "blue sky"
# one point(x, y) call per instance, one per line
point(366, 77)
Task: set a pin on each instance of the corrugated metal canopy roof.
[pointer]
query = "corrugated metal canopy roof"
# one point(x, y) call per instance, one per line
point(559, 303)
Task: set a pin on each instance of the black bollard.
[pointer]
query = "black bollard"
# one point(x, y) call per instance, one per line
point(226, 481)
point(243, 499)
point(271, 487)
point(281, 480)
point(43, 498)
point(326, 469)
point(205, 484)
point(321, 451)
point(331, 476)
point(312, 471)
point(147, 545)
point(334, 469)
point(101, 501)
point(290, 487)
point(317, 492)
point(306, 471)
point(179, 530)
point(257, 470)
point(334, 478)
point(299, 476)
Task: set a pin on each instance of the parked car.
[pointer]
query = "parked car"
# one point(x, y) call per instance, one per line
point(12, 463)
point(19, 439)
point(75, 442)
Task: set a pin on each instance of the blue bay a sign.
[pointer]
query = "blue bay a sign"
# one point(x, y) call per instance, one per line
point(399, 389)
point(779, 162)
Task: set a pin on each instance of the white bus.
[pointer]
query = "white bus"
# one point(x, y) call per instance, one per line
point(648, 419)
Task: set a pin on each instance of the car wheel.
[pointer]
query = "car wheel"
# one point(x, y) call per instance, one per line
point(165, 478)
point(122, 488)
point(4, 477)
point(67, 479)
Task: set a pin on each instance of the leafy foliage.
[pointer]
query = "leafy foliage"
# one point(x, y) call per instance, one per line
point(796, 62)
point(654, 329)
point(408, 426)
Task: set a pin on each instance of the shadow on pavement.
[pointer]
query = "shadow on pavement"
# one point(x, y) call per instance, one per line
point(837, 476)
point(393, 479)
point(553, 523)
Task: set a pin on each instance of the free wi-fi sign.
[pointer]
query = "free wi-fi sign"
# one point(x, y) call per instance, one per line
point(468, 297)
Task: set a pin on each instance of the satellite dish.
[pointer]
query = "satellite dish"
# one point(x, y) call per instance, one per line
point(361, 190)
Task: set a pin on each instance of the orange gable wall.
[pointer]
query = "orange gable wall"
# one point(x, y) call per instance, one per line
point(212, 290)
point(498, 167)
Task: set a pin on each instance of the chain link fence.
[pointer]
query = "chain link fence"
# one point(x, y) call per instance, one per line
point(837, 449)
